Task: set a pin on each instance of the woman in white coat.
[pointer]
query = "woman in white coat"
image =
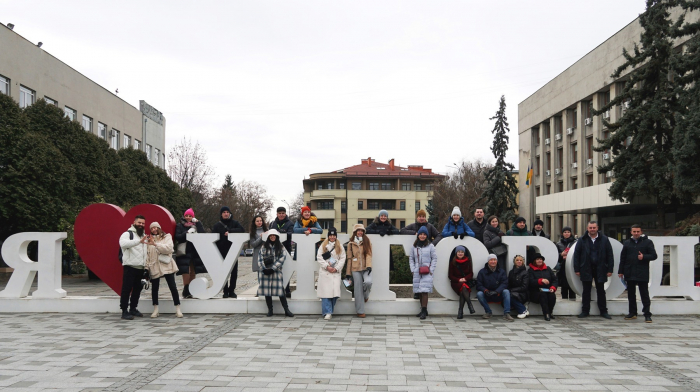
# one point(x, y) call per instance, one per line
point(331, 257)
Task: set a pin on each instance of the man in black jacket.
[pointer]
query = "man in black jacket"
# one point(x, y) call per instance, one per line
point(538, 229)
point(636, 254)
point(284, 225)
point(225, 226)
point(478, 224)
point(412, 229)
point(593, 259)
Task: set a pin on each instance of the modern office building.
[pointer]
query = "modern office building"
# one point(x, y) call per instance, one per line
point(356, 194)
point(557, 133)
point(29, 73)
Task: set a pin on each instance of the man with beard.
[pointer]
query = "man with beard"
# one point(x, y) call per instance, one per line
point(133, 244)
point(284, 225)
point(223, 227)
point(421, 220)
point(538, 229)
point(478, 224)
point(593, 261)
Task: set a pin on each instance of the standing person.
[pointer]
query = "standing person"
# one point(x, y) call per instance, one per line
point(456, 227)
point(492, 286)
point(283, 225)
point(492, 240)
point(518, 281)
point(565, 243)
point(423, 260)
point(519, 229)
point(331, 257)
point(461, 274)
point(543, 286)
point(478, 224)
point(636, 254)
point(382, 225)
point(257, 228)
point(359, 267)
point(159, 264)
point(270, 262)
point(223, 227)
point(422, 221)
point(307, 223)
point(188, 261)
point(134, 250)
point(538, 229)
point(593, 259)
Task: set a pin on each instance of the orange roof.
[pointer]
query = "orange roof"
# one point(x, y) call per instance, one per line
point(370, 168)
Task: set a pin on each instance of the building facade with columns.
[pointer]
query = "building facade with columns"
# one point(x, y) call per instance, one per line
point(356, 194)
point(557, 133)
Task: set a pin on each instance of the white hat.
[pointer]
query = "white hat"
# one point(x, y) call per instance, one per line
point(271, 232)
point(492, 256)
point(456, 211)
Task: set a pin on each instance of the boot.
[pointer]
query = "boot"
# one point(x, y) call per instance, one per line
point(424, 313)
point(268, 301)
point(186, 292)
point(155, 311)
point(225, 291)
point(126, 315)
point(460, 312)
point(470, 306)
point(286, 307)
point(178, 313)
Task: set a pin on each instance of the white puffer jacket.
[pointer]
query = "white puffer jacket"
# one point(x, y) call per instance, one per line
point(134, 253)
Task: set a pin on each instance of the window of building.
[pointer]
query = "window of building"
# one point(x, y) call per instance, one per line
point(417, 205)
point(560, 158)
point(101, 131)
point(402, 224)
point(575, 226)
point(50, 101)
point(324, 205)
point(557, 125)
point(360, 221)
point(402, 205)
point(4, 85)
point(26, 96)
point(548, 161)
point(429, 187)
point(329, 185)
point(137, 144)
point(386, 186)
point(360, 205)
point(114, 139)
point(393, 222)
point(589, 147)
point(326, 223)
point(560, 186)
point(343, 207)
point(373, 186)
point(87, 123)
point(319, 185)
point(373, 205)
point(537, 191)
point(343, 226)
point(417, 187)
point(589, 179)
point(148, 151)
point(356, 186)
point(587, 109)
point(156, 157)
point(341, 185)
point(574, 118)
point(406, 186)
point(70, 113)
point(548, 189)
point(536, 134)
point(574, 183)
point(127, 141)
point(547, 133)
point(387, 205)
point(574, 153)
point(605, 98)
point(537, 166)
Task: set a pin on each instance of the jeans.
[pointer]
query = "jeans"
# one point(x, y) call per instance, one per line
point(505, 298)
point(131, 287)
point(632, 296)
point(586, 297)
point(327, 305)
point(519, 307)
point(170, 279)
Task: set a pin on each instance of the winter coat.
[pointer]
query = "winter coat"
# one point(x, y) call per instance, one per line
point(162, 249)
point(133, 251)
point(536, 274)
point(492, 238)
point(299, 227)
point(284, 226)
point(542, 234)
point(329, 283)
point(459, 227)
point(478, 228)
point(221, 227)
point(457, 271)
point(433, 234)
point(191, 257)
point(492, 280)
point(256, 244)
point(271, 285)
point(422, 257)
point(514, 231)
point(356, 260)
point(561, 246)
point(582, 258)
point(382, 228)
point(630, 266)
point(518, 279)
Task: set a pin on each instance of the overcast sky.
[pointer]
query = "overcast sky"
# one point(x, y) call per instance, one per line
point(275, 91)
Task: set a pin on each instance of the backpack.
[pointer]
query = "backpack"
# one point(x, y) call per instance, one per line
point(121, 253)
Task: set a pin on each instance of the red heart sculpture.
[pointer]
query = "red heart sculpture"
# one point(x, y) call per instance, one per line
point(97, 231)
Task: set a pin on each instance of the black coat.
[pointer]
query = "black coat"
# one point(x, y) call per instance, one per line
point(582, 261)
point(630, 265)
point(433, 234)
point(493, 281)
point(382, 228)
point(542, 234)
point(518, 283)
point(191, 257)
point(478, 229)
point(284, 226)
point(221, 227)
point(535, 275)
point(561, 246)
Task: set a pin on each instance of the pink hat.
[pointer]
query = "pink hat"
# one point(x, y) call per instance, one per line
point(189, 212)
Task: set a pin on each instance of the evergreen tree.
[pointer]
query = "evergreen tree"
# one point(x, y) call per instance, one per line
point(642, 139)
point(228, 183)
point(502, 190)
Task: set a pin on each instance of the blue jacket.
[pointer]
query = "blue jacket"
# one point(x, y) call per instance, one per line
point(300, 229)
point(460, 227)
point(492, 281)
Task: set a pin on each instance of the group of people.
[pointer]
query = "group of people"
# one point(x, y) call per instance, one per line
point(150, 256)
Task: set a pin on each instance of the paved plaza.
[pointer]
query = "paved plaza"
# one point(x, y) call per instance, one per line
point(89, 352)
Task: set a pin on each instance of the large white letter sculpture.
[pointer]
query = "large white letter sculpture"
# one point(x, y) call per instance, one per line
point(682, 268)
point(14, 252)
point(218, 268)
point(613, 287)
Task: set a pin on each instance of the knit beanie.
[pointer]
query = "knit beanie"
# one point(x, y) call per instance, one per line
point(155, 224)
point(189, 212)
point(305, 208)
point(519, 219)
point(538, 222)
point(224, 208)
point(421, 213)
point(493, 256)
point(332, 231)
point(384, 212)
point(423, 230)
point(460, 247)
point(456, 211)
point(567, 228)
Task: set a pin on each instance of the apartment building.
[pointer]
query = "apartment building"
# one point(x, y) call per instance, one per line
point(356, 194)
point(29, 73)
point(557, 132)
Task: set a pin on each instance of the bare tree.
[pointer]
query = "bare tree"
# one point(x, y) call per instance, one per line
point(460, 188)
point(296, 206)
point(245, 199)
point(187, 166)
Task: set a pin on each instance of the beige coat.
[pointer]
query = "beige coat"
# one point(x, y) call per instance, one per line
point(356, 259)
point(155, 267)
point(329, 283)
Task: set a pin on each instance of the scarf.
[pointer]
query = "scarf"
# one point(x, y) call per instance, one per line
point(540, 268)
point(494, 268)
point(461, 261)
point(358, 241)
point(308, 222)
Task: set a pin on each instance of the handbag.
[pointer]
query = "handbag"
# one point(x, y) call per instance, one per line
point(164, 258)
point(424, 270)
point(499, 250)
point(181, 249)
